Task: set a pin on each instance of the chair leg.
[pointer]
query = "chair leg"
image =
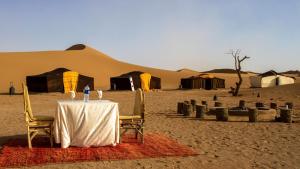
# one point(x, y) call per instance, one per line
point(51, 135)
point(29, 139)
point(121, 134)
point(142, 135)
point(136, 133)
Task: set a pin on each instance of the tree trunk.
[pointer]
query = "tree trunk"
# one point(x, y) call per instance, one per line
point(238, 68)
point(238, 84)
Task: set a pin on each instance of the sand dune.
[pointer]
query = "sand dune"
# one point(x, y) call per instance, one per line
point(15, 66)
point(190, 71)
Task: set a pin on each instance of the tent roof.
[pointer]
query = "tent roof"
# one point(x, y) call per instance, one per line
point(132, 74)
point(269, 73)
point(204, 76)
point(54, 72)
point(273, 73)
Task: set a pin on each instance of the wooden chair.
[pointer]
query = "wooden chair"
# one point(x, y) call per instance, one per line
point(36, 124)
point(136, 121)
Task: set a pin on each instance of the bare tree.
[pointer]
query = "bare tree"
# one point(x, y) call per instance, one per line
point(237, 64)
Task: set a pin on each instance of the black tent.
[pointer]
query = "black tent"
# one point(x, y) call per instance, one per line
point(53, 81)
point(122, 82)
point(202, 82)
point(193, 83)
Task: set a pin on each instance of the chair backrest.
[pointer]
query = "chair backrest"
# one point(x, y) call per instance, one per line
point(27, 106)
point(139, 104)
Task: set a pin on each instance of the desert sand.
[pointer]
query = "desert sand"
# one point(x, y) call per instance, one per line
point(233, 144)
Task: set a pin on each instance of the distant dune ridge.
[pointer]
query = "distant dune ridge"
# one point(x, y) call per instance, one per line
point(77, 47)
point(292, 73)
point(185, 70)
point(224, 70)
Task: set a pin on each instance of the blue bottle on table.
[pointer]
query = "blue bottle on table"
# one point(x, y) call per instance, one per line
point(86, 93)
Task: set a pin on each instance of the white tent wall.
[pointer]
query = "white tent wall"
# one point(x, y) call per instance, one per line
point(284, 80)
point(268, 81)
point(255, 81)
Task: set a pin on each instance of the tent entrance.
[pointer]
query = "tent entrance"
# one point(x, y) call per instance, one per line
point(208, 84)
point(120, 84)
point(277, 81)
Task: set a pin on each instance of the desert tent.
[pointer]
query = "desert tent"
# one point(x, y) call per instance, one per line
point(202, 81)
point(270, 79)
point(52, 81)
point(122, 82)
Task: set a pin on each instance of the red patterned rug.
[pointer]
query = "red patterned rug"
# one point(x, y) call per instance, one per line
point(16, 154)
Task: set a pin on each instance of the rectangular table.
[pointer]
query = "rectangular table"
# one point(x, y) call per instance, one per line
point(85, 124)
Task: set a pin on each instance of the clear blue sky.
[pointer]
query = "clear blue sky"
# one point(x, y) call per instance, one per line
point(169, 34)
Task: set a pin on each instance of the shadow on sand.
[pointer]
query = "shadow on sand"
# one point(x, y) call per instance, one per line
point(5, 139)
point(175, 115)
point(7, 94)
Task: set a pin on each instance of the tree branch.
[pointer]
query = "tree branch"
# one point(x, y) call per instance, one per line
point(237, 63)
point(245, 57)
point(237, 52)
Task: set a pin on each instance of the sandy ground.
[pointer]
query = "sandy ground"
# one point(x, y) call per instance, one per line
point(234, 144)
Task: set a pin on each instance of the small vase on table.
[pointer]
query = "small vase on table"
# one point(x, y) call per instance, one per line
point(72, 94)
point(100, 94)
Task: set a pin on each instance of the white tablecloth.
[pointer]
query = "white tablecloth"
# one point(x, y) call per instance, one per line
point(85, 124)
